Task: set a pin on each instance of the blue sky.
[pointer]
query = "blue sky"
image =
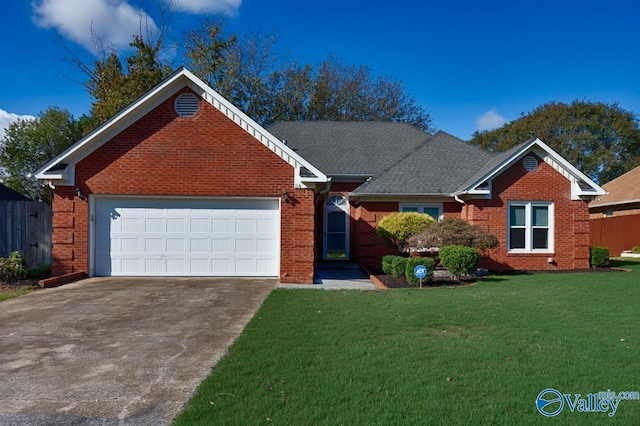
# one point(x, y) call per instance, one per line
point(473, 65)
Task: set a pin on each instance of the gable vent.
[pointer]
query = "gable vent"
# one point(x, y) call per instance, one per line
point(529, 163)
point(187, 105)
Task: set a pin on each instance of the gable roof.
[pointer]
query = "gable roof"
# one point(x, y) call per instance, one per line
point(350, 147)
point(61, 170)
point(8, 194)
point(399, 159)
point(581, 185)
point(624, 189)
point(436, 168)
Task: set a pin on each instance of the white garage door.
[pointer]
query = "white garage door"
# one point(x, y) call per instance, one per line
point(187, 237)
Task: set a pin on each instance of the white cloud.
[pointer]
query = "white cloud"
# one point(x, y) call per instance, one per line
point(113, 21)
point(7, 118)
point(490, 120)
point(230, 7)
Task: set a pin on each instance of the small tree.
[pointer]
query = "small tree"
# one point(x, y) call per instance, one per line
point(397, 227)
point(452, 231)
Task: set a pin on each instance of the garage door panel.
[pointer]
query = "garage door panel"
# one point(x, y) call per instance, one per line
point(187, 237)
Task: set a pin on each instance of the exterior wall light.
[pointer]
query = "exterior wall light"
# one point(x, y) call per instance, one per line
point(285, 196)
point(79, 194)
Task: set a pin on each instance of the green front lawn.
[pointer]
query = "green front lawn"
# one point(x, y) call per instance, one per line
point(471, 355)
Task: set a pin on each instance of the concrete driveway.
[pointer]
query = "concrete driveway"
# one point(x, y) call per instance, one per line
point(108, 351)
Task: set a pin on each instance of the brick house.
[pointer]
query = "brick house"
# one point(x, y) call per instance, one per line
point(183, 183)
point(622, 197)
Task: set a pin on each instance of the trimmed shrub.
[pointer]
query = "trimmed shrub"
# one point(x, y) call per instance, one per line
point(398, 265)
point(387, 262)
point(412, 262)
point(459, 260)
point(397, 227)
point(12, 268)
point(636, 249)
point(599, 257)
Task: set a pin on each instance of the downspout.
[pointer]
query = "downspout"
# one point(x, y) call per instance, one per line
point(461, 201)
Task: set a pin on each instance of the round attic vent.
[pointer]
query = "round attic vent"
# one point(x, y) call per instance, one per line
point(529, 163)
point(187, 105)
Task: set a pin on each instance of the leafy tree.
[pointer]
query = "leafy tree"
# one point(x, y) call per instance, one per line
point(113, 88)
point(29, 144)
point(600, 139)
point(208, 55)
point(452, 231)
point(250, 72)
point(115, 79)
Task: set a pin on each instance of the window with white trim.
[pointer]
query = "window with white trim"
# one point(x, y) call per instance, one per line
point(432, 209)
point(530, 227)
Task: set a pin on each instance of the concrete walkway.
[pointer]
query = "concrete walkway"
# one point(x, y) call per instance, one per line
point(337, 276)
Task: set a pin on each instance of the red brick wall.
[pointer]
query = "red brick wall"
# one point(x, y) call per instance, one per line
point(571, 222)
point(167, 155)
point(571, 219)
point(369, 247)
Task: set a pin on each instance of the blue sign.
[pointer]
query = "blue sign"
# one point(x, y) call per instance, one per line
point(420, 271)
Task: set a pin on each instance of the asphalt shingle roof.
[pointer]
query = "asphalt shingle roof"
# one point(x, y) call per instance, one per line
point(350, 147)
point(438, 167)
point(623, 189)
point(400, 158)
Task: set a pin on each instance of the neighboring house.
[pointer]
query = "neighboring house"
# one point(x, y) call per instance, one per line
point(622, 197)
point(8, 194)
point(615, 216)
point(183, 183)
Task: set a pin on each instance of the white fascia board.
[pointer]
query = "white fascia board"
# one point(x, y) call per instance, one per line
point(155, 97)
point(105, 132)
point(613, 204)
point(563, 166)
point(254, 129)
point(550, 157)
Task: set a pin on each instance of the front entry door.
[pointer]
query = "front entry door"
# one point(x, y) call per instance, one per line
point(336, 229)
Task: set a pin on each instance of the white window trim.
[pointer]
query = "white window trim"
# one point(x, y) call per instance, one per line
point(422, 206)
point(529, 228)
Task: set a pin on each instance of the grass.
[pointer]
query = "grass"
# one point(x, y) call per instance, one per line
point(472, 355)
point(9, 291)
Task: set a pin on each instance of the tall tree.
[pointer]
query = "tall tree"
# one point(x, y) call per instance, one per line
point(29, 144)
point(250, 72)
point(113, 87)
point(600, 139)
point(116, 79)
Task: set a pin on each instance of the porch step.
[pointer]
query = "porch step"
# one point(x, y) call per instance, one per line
point(339, 271)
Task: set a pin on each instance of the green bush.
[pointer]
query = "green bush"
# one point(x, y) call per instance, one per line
point(599, 257)
point(386, 263)
point(397, 227)
point(40, 271)
point(636, 249)
point(398, 265)
point(412, 262)
point(12, 268)
point(459, 260)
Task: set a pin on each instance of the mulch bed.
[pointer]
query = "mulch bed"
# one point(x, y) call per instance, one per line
point(392, 282)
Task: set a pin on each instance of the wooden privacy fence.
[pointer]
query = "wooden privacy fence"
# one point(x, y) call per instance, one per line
point(26, 226)
point(618, 233)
